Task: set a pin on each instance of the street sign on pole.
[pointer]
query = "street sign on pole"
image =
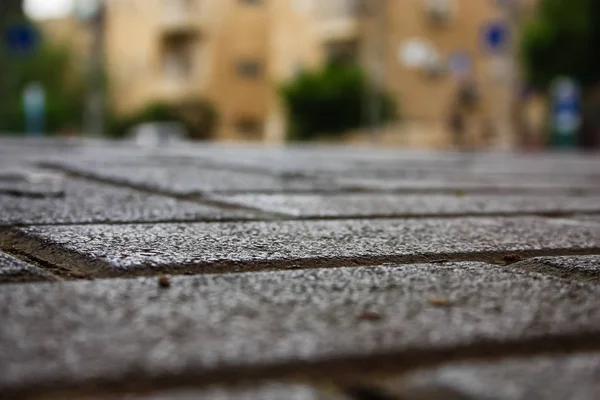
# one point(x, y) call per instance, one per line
point(566, 116)
point(21, 38)
point(496, 36)
point(34, 104)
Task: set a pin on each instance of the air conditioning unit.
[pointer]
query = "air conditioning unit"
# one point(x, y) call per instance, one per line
point(439, 10)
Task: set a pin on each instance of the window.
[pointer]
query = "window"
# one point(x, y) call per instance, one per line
point(178, 57)
point(249, 68)
point(343, 51)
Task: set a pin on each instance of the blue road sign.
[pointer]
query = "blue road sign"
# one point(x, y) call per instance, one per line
point(21, 38)
point(566, 118)
point(496, 35)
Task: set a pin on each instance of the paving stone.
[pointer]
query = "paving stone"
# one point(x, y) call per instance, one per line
point(269, 324)
point(350, 205)
point(14, 270)
point(219, 247)
point(187, 181)
point(574, 377)
point(586, 268)
point(30, 182)
point(85, 202)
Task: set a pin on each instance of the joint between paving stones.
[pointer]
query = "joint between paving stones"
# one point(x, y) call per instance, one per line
point(7, 245)
point(199, 197)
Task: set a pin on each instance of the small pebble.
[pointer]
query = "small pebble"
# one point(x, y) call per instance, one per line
point(164, 281)
point(439, 301)
point(512, 258)
point(370, 316)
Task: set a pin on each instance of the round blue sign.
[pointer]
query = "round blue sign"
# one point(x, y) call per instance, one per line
point(496, 35)
point(21, 38)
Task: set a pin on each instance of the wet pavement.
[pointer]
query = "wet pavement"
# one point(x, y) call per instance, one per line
point(308, 272)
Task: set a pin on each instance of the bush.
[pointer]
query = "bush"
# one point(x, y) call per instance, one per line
point(330, 101)
point(199, 117)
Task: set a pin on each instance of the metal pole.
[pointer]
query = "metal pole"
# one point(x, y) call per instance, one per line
point(94, 111)
point(375, 53)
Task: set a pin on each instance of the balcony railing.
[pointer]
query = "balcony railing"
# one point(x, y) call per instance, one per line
point(339, 9)
point(338, 19)
point(180, 16)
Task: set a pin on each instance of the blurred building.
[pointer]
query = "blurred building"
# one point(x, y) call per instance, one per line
point(236, 53)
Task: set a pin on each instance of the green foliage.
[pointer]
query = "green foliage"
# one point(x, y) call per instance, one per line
point(563, 39)
point(329, 101)
point(52, 66)
point(199, 117)
point(155, 112)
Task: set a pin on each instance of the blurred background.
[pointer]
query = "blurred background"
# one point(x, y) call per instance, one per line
point(476, 74)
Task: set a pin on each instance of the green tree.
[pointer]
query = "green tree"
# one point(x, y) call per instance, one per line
point(329, 101)
point(563, 39)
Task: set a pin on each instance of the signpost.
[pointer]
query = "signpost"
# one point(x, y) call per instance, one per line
point(34, 104)
point(21, 38)
point(566, 115)
point(496, 36)
point(497, 40)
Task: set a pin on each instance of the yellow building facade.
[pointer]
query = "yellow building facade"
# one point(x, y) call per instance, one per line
point(236, 53)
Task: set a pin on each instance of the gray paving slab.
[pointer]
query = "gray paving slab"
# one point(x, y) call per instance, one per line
point(574, 377)
point(87, 202)
point(585, 268)
point(385, 205)
point(187, 181)
point(122, 332)
point(30, 182)
point(221, 247)
point(14, 270)
point(310, 160)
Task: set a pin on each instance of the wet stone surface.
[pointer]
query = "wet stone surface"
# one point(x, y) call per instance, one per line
point(87, 202)
point(223, 247)
point(353, 205)
point(558, 377)
point(68, 334)
point(13, 270)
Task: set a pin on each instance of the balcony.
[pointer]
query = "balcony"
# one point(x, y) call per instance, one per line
point(180, 17)
point(338, 19)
